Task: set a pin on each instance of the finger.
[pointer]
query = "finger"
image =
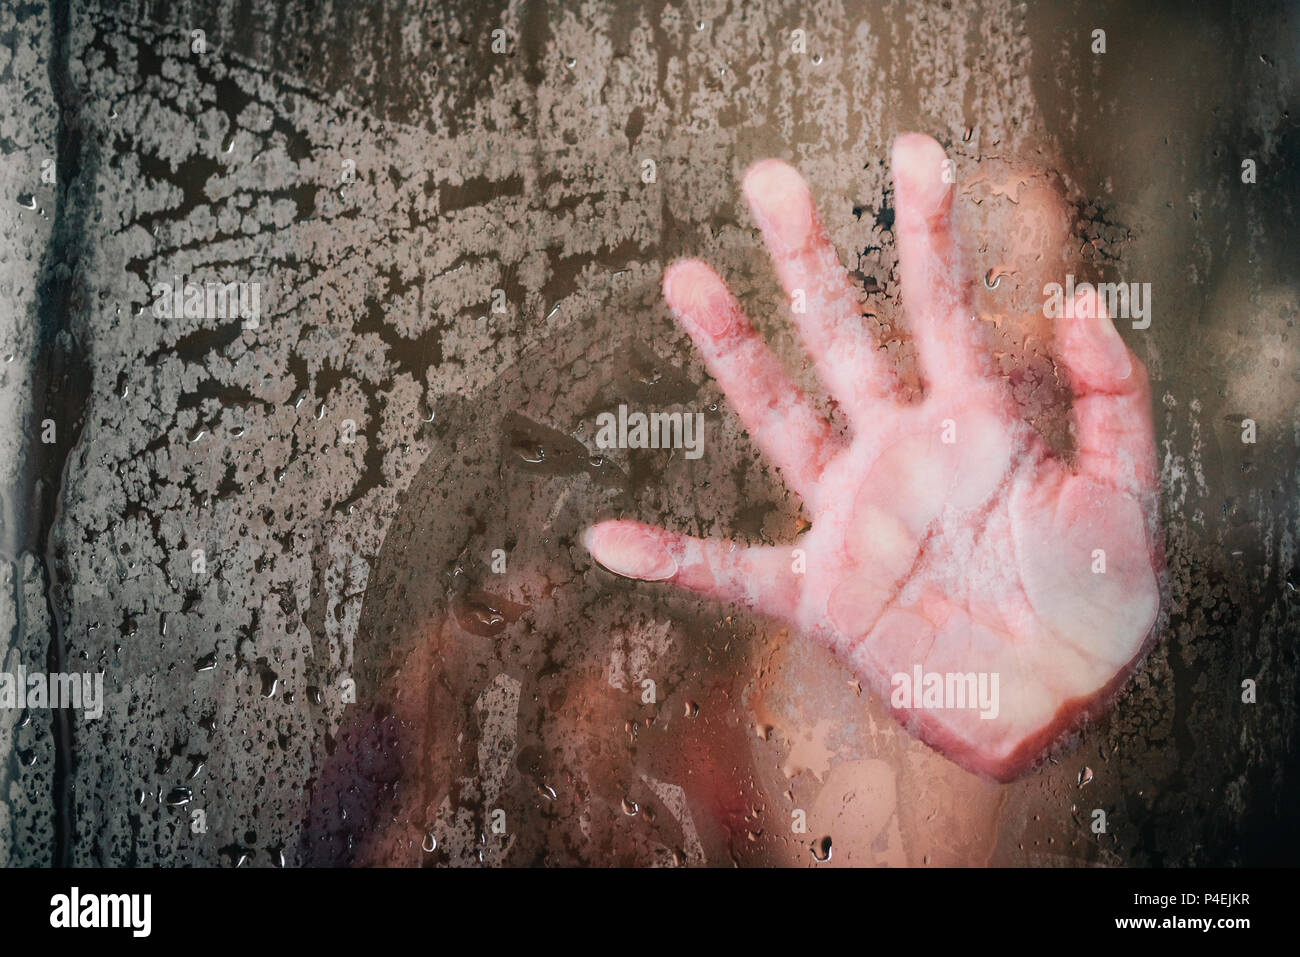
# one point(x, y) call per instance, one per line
point(780, 418)
point(1113, 434)
point(950, 346)
point(757, 577)
point(826, 305)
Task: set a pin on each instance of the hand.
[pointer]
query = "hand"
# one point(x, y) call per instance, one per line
point(945, 533)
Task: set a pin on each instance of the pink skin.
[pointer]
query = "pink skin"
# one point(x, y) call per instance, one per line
point(945, 533)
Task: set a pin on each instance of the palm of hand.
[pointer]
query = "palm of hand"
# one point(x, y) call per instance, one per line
point(946, 538)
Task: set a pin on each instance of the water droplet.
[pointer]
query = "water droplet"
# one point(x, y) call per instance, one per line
point(570, 63)
point(764, 731)
point(992, 278)
point(817, 59)
point(430, 843)
point(179, 797)
point(691, 709)
point(270, 680)
point(699, 25)
point(630, 807)
point(967, 133)
point(531, 452)
point(1085, 776)
point(26, 200)
point(821, 850)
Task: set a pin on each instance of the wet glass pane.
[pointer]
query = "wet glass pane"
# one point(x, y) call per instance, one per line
point(332, 330)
